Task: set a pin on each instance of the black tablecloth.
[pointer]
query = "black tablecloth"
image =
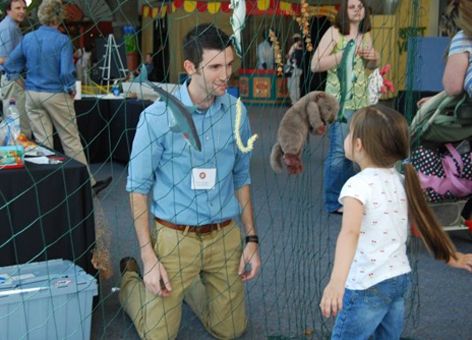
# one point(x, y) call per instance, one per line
point(107, 127)
point(46, 212)
point(124, 117)
point(92, 120)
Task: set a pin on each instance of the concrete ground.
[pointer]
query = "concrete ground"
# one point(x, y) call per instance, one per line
point(297, 243)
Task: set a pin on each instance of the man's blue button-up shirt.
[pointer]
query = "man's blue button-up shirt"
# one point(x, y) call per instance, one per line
point(10, 36)
point(47, 55)
point(161, 162)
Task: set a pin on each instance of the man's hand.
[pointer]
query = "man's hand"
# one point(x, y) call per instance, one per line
point(250, 256)
point(155, 278)
point(21, 83)
point(332, 300)
point(464, 261)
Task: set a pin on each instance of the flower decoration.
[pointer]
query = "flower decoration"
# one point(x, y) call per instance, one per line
point(277, 54)
point(304, 22)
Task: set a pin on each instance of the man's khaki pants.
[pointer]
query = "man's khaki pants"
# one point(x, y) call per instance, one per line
point(11, 89)
point(204, 268)
point(47, 110)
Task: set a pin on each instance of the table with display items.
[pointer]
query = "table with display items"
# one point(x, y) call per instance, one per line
point(46, 212)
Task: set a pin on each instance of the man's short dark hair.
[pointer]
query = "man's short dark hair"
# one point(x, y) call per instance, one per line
point(8, 3)
point(204, 37)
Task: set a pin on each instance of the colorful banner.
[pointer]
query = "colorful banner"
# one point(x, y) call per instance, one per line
point(253, 7)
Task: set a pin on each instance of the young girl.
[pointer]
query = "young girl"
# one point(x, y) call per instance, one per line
point(371, 270)
point(352, 23)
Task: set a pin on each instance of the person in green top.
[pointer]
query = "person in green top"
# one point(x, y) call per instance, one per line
point(352, 23)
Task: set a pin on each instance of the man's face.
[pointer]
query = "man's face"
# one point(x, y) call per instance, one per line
point(17, 11)
point(213, 73)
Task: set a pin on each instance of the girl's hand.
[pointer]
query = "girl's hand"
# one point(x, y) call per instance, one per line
point(332, 300)
point(369, 54)
point(464, 261)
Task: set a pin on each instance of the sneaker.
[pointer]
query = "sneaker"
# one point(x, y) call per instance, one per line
point(129, 264)
point(101, 185)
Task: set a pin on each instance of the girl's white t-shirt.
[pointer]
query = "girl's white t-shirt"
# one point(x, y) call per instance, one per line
point(381, 250)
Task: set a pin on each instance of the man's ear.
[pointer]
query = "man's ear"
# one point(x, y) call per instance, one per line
point(189, 67)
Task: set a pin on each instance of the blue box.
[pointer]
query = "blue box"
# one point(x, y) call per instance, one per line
point(12, 156)
point(427, 55)
point(46, 300)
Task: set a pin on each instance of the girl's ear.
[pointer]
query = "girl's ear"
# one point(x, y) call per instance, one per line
point(358, 145)
point(189, 67)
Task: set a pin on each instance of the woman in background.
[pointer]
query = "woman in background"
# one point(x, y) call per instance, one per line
point(352, 23)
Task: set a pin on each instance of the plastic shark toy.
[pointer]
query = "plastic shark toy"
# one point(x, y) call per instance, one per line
point(181, 117)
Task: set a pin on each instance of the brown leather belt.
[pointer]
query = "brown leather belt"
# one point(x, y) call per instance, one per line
point(201, 229)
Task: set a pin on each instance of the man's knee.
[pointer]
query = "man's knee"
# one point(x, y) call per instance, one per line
point(231, 329)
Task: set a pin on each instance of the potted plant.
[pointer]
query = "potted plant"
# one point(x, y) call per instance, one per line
point(131, 47)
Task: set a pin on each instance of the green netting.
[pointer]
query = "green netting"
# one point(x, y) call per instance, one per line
point(49, 211)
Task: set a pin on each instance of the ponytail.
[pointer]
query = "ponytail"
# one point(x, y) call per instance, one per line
point(435, 239)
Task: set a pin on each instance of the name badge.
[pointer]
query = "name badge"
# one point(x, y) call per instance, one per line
point(203, 179)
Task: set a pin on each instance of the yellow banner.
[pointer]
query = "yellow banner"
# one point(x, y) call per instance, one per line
point(190, 6)
point(263, 5)
point(213, 7)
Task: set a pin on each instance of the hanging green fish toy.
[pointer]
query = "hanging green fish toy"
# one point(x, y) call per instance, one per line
point(238, 21)
point(345, 73)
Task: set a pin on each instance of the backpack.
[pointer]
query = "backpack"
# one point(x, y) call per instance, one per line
point(443, 119)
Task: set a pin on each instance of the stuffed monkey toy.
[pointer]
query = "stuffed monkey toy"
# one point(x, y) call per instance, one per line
point(311, 113)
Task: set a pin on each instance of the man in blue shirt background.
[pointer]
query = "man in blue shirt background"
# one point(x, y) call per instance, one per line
point(194, 199)
point(46, 53)
point(10, 37)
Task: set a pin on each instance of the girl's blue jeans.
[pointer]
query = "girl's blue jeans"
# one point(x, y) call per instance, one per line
point(377, 311)
point(337, 168)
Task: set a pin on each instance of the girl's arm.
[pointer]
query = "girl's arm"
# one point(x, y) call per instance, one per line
point(346, 245)
point(454, 73)
point(322, 59)
point(368, 53)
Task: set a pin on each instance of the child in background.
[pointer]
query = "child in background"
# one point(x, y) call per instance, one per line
point(371, 269)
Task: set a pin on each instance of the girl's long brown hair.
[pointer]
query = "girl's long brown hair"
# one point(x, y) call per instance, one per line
point(385, 139)
point(342, 22)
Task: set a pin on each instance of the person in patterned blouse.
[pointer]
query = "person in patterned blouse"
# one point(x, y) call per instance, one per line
point(458, 72)
point(352, 23)
point(457, 77)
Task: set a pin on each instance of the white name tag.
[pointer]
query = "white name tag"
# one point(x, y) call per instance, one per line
point(203, 179)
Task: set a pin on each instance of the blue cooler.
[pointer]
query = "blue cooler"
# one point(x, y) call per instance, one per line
point(46, 300)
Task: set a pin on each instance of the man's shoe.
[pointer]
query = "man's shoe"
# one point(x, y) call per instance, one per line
point(100, 185)
point(129, 264)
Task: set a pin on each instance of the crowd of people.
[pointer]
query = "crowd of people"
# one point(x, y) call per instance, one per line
point(45, 97)
point(194, 200)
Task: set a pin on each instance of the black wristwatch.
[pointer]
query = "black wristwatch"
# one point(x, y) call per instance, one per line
point(252, 238)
